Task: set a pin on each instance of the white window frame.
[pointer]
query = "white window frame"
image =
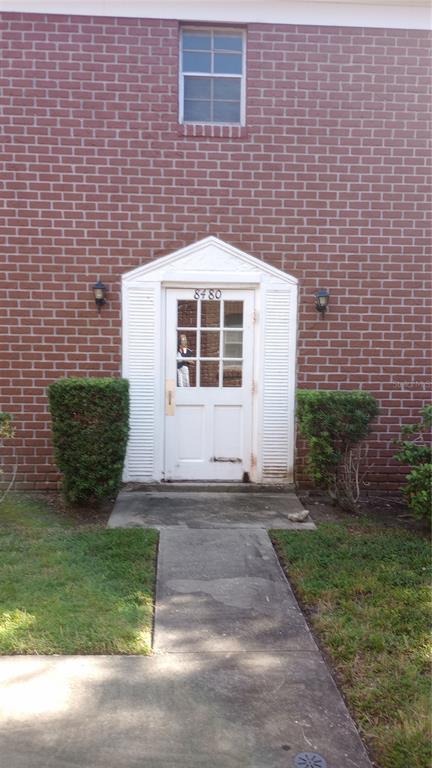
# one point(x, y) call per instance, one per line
point(242, 77)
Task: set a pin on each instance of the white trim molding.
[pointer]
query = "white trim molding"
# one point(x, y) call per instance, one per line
point(214, 263)
point(207, 255)
point(391, 14)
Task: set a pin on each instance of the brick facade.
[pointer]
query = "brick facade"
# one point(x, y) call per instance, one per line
point(327, 181)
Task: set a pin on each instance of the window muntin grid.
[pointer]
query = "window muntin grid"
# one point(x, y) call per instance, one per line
point(212, 76)
point(210, 333)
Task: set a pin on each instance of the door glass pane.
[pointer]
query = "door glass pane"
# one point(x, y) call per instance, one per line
point(209, 343)
point(186, 374)
point(187, 314)
point(232, 373)
point(186, 365)
point(210, 314)
point(233, 344)
point(199, 340)
point(233, 314)
point(187, 343)
point(209, 373)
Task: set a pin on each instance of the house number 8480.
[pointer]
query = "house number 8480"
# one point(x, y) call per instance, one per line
point(213, 294)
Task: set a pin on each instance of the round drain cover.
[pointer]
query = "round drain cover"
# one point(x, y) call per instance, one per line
point(309, 760)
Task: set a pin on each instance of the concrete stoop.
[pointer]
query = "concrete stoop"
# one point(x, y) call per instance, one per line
point(208, 506)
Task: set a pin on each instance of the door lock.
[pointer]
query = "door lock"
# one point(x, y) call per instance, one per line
point(170, 397)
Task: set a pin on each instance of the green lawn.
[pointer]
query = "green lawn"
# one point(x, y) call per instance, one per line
point(367, 594)
point(73, 590)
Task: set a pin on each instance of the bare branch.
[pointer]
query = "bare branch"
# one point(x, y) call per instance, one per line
point(5, 493)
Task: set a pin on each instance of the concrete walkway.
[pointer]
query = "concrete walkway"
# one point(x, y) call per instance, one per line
point(224, 591)
point(236, 679)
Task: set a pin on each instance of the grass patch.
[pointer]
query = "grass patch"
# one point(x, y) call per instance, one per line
point(367, 593)
point(73, 591)
point(22, 512)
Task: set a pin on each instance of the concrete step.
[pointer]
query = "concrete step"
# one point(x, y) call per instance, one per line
point(211, 487)
point(206, 509)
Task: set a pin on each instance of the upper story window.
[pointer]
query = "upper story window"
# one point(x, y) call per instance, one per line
point(212, 77)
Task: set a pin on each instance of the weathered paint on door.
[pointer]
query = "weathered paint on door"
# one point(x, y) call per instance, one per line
point(209, 382)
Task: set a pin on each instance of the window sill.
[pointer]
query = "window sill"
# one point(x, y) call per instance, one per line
point(213, 131)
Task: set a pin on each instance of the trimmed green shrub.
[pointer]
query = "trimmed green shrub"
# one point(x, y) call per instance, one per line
point(417, 454)
point(334, 425)
point(90, 421)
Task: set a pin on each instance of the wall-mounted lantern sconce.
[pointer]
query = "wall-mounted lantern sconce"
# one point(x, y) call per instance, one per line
point(322, 299)
point(99, 293)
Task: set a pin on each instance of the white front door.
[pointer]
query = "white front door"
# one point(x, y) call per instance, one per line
point(208, 387)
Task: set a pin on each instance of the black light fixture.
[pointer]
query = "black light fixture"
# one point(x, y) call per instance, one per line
point(99, 293)
point(322, 299)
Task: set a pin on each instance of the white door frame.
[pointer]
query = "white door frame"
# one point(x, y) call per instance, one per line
point(249, 436)
point(211, 263)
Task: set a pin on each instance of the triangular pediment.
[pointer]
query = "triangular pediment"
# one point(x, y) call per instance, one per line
point(213, 257)
point(208, 256)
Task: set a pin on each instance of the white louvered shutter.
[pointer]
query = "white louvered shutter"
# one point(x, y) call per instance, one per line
point(141, 357)
point(278, 377)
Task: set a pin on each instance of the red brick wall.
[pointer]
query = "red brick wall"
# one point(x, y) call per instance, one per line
point(327, 182)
